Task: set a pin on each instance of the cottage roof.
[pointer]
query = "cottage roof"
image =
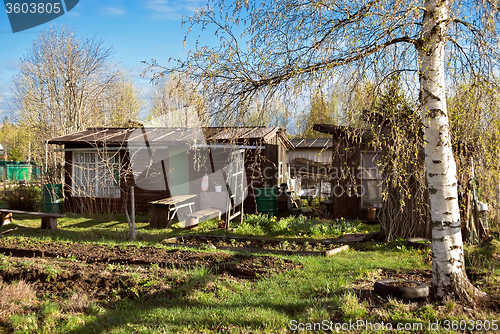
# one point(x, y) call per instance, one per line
point(110, 136)
point(120, 136)
point(344, 132)
point(306, 143)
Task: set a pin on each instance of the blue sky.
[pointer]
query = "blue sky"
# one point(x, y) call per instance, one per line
point(136, 29)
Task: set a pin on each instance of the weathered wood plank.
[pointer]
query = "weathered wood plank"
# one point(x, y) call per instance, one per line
point(49, 220)
point(160, 215)
point(39, 214)
point(336, 250)
point(194, 218)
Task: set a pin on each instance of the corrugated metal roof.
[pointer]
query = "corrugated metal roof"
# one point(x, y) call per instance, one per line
point(222, 133)
point(312, 142)
point(343, 131)
point(110, 136)
point(119, 136)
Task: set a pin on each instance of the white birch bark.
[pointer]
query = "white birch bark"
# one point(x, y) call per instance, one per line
point(449, 278)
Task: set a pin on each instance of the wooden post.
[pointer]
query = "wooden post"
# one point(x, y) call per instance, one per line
point(49, 223)
point(132, 218)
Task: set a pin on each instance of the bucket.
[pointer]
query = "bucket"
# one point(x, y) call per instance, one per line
point(52, 198)
point(371, 214)
point(483, 207)
point(267, 202)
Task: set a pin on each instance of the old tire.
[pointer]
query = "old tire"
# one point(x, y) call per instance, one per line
point(384, 289)
point(419, 243)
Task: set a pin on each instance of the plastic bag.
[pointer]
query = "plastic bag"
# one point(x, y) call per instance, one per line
point(204, 183)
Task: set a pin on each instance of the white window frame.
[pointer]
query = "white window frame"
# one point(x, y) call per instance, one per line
point(94, 174)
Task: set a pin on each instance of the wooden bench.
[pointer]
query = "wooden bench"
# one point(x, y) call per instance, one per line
point(194, 218)
point(164, 210)
point(49, 220)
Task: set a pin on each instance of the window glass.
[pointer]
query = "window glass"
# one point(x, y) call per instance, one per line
point(371, 180)
point(96, 175)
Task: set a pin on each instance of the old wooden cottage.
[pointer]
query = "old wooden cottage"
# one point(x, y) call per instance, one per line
point(356, 184)
point(98, 172)
point(358, 181)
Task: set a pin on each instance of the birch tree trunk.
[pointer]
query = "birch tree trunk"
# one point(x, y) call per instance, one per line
point(449, 277)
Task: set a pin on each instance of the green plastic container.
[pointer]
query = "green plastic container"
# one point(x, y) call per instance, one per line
point(267, 201)
point(52, 198)
point(18, 170)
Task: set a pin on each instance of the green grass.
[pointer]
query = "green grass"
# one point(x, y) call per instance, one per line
point(109, 229)
point(113, 229)
point(318, 291)
point(330, 289)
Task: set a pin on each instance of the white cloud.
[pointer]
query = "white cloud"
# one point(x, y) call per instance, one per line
point(113, 11)
point(172, 10)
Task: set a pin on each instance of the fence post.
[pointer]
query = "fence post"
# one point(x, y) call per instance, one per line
point(132, 218)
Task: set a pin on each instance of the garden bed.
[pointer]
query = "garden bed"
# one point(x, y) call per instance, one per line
point(237, 265)
point(325, 247)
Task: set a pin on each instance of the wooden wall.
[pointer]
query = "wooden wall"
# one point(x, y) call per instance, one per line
point(108, 205)
point(345, 203)
point(257, 163)
point(346, 160)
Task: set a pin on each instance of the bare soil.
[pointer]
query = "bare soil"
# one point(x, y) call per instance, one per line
point(110, 272)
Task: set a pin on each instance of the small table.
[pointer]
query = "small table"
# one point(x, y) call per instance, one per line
point(163, 208)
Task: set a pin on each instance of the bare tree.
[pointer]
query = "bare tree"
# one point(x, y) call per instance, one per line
point(322, 109)
point(286, 45)
point(121, 102)
point(63, 86)
point(174, 92)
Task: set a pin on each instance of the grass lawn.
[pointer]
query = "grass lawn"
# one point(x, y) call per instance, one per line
point(199, 299)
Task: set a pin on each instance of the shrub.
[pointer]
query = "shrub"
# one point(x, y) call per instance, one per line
point(208, 225)
point(260, 220)
point(25, 198)
point(293, 226)
point(246, 228)
point(317, 227)
point(282, 226)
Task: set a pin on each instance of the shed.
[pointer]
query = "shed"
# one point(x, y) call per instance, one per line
point(357, 182)
point(356, 187)
point(309, 166)
point(19, 171)
point(97, 164)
